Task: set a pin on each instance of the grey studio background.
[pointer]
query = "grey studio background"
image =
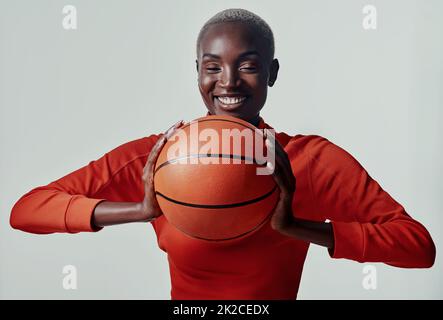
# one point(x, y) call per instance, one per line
point(69, 96)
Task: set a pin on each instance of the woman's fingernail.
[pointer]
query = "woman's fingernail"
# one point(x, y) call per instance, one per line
point(169, 129)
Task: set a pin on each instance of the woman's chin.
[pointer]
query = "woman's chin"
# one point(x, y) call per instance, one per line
point(234, 113)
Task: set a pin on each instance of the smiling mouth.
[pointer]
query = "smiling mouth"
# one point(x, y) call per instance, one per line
point(230, 103)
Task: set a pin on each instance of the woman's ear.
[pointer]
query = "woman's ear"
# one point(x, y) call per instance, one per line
point(273, 72)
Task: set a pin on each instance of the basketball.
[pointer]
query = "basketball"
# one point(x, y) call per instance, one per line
point(206, 179)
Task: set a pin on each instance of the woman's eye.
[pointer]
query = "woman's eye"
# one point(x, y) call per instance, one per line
point(248, 68)
point(212, 69)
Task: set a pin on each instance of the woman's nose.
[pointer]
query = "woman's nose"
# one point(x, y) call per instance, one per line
point(230, 78)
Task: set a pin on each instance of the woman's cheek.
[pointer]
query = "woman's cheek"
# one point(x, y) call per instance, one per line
point(207, 83)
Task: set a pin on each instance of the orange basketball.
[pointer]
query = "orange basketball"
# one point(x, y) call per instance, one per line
point(207, 186)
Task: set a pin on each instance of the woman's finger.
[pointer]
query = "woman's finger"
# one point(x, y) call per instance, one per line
point(281, 151)
point(279, 178)
point(172, 129)
point(155, 151)
point(153, 155)
point(280, 161)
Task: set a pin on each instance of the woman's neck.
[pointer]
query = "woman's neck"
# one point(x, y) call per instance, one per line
point(255, 121)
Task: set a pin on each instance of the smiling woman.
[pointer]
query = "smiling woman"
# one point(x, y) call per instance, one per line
point(235, 64)
point(317, 181)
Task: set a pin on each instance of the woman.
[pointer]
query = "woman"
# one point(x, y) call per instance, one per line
point(235, 65)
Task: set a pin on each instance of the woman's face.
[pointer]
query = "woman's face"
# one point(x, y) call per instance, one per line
point(234, 68)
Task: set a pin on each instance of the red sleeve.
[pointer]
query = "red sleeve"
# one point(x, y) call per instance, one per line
point(67, 204)
point(368, 224)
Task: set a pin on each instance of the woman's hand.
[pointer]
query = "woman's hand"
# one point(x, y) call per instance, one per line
point(108, 213)
point(282, 219)
point(149, 208)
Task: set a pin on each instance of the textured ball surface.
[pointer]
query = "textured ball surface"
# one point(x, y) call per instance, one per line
point(206, 198)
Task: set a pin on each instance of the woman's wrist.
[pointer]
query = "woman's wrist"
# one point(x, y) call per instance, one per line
point(142, 213)
point(316, 232)
point(108, 213)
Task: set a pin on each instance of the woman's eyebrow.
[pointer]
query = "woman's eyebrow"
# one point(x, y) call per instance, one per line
point(242, 55)
point(249, 53)
point(210, 55)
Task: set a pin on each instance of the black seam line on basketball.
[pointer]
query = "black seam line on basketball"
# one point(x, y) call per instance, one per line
point(232, 238)
point(225, 120)
point(218, 206)
point(215, 155)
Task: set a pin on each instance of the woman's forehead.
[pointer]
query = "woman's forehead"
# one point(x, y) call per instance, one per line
point(231, 38)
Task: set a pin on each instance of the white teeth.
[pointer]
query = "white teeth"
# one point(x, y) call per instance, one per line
point(231, 100)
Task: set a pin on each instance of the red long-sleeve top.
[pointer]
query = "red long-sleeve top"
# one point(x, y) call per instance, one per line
point(368, 224)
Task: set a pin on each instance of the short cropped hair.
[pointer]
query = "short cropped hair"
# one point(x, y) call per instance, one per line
point(242, 16)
